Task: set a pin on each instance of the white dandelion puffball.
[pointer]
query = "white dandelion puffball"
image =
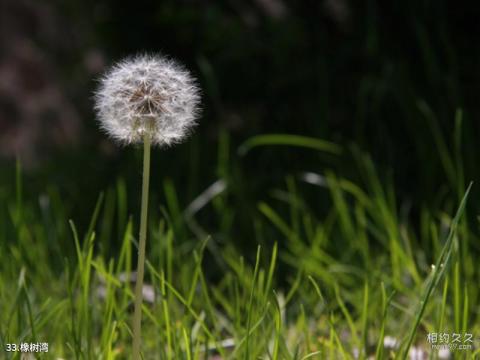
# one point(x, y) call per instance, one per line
point(147, 95)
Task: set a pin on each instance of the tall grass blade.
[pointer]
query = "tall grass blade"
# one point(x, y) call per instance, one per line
point(441, 266)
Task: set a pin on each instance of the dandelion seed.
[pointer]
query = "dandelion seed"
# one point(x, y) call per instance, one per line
point(147, 95)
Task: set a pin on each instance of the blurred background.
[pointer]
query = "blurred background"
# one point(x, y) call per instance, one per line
point(396, 80)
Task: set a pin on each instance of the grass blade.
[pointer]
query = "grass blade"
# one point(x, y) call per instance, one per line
point(439, 269)
point(289, 140)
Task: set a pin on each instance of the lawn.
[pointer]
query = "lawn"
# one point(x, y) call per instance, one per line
point(364, 279)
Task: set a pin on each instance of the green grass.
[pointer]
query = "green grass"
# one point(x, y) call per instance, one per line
point(319, 286)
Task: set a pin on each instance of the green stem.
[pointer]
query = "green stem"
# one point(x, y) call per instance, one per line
point(137, 316)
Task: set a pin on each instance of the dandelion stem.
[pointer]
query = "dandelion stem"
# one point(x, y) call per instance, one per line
point(137, 317)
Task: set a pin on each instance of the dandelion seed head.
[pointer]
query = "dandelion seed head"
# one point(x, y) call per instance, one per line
point(147, 95)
